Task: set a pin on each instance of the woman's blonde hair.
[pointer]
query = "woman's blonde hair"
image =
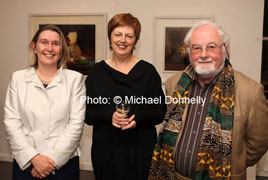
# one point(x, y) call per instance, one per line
point(64, 51)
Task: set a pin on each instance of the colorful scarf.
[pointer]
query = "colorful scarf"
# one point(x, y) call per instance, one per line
point(214, 155)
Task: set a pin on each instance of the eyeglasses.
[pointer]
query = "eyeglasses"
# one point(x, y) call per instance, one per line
point(211, 48)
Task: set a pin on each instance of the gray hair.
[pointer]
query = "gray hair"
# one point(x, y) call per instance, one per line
point(224, 36)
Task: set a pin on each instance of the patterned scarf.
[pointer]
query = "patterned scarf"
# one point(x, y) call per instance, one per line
point(214, 155)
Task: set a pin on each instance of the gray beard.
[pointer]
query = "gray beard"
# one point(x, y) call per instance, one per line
point(208, 72)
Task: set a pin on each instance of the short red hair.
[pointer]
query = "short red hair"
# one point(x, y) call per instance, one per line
point(124, 19)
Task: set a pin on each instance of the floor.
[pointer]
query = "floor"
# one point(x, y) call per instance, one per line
point(6, 171)
point(261, 178)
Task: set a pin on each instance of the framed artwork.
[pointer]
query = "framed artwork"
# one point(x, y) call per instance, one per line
point(85, 35)
point(169, 49)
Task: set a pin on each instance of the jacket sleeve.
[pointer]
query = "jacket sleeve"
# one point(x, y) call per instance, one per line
point(257, 134)
point(70, 138)
point(154, 113)
point(171, 83)
point(21, 148)
point(96, 113)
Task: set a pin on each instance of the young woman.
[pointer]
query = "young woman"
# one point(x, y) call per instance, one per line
point(43, 113)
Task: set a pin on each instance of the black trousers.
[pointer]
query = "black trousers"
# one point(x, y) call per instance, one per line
point(70, 171)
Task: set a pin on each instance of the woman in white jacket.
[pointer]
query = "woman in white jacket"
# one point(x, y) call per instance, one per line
point(43, 114)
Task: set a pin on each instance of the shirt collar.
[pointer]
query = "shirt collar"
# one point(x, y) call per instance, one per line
point(195, 78)
point(31, 76)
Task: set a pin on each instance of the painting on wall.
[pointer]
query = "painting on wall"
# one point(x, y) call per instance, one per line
point(84, 35)
point(169, 49)
point(175, 50)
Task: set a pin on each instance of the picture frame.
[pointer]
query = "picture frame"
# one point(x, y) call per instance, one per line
point(86, 36)
point(169, 54)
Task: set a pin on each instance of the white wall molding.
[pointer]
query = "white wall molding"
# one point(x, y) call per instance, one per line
point(83, 165)
point(6, 157)
point(86, 166)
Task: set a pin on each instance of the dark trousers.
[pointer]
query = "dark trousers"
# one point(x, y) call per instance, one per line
point(70, 171)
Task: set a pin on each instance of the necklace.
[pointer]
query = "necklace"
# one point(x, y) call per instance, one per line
point(46, 81)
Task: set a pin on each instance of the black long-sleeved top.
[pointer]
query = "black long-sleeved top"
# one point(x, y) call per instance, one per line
point(118, 154)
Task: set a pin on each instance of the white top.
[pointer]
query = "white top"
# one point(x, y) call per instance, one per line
point(47, 121)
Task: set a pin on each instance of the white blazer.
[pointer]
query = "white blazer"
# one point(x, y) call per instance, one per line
point(47, 121)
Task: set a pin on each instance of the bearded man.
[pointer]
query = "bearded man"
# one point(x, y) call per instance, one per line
point(220, 138)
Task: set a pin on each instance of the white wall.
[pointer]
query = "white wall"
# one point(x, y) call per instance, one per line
point(242, 19)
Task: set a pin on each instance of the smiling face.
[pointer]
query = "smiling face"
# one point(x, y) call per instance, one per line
point(123, 40)
point(47, 48)
point(207, 63)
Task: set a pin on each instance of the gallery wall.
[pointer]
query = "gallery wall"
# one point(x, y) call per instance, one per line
point(242, 19)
